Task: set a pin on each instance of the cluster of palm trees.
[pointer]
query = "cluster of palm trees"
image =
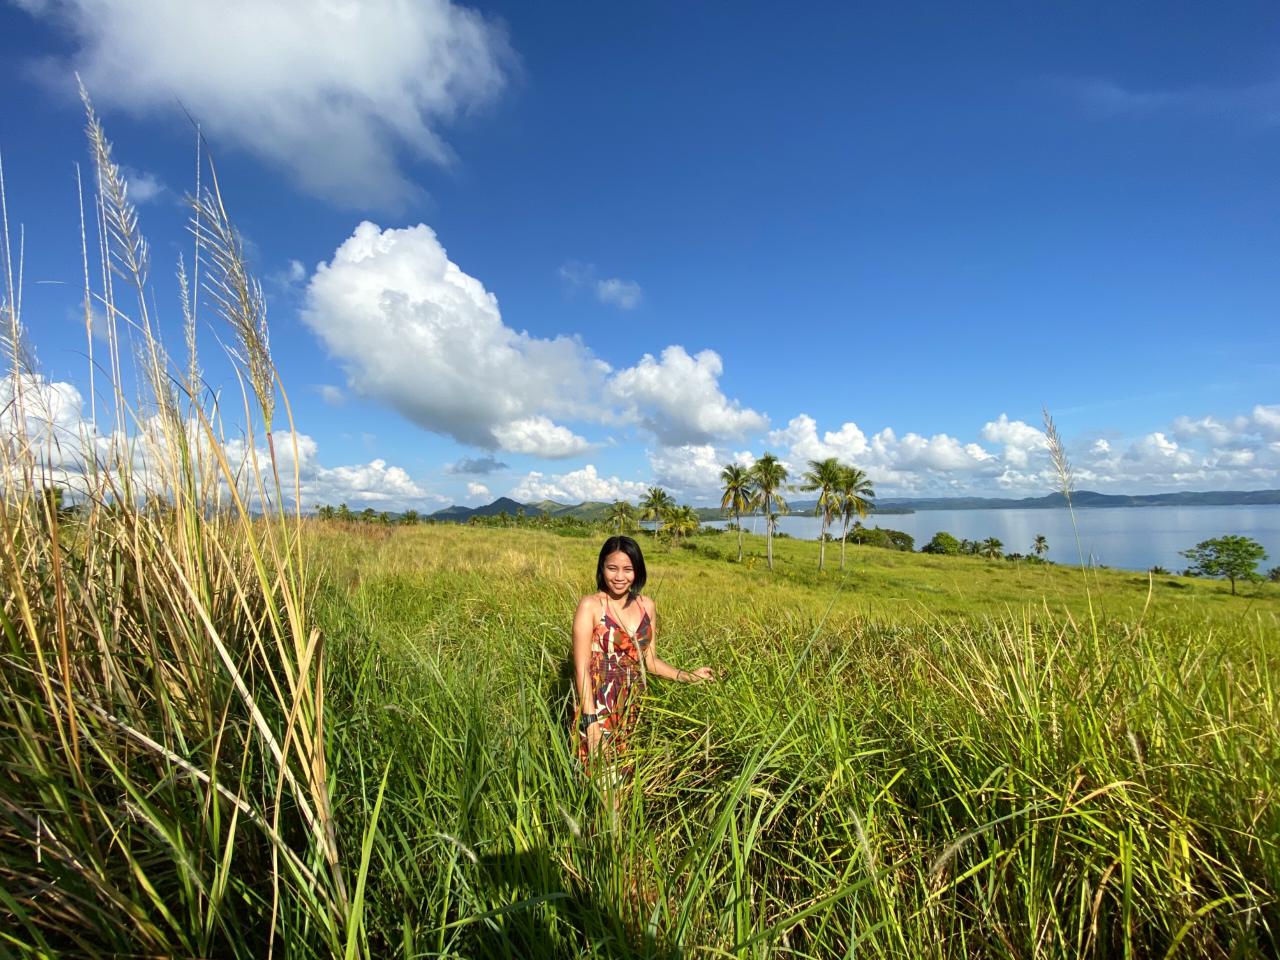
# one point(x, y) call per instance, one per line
point(844, 492)
point(367, 515)
point(676, 520)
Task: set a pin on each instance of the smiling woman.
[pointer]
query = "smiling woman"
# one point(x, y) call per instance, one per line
point(613, 654)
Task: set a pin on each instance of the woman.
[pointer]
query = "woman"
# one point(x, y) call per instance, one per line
point(613, 651)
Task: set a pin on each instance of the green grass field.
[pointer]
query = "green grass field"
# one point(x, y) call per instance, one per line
point(920, 757)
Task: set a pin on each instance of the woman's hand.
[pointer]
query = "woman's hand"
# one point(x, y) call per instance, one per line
point(699, 675)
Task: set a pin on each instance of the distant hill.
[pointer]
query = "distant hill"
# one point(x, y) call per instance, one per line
point(1088, 498)
point(597, 510)
point(809, 506)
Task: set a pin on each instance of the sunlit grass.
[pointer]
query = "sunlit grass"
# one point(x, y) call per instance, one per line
point(870, 776)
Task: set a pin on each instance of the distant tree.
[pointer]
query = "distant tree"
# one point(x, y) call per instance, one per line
point(882, 537)
point(655, 503)
point(384, 518)
point(737, 495)
point(325, 512)
point(768, 477)
point(622, 516)
point(824, 477)
point(410, 517)
point(368, 515)
point(344, 512)
point(1233, 557)
point(1274, 574)
point(1158, 571)
point(992, 548)
point(1041, 546)
point(856, 494)
point(681, 522)
point(942, 543)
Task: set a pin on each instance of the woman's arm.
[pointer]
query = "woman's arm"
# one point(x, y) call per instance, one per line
point(583, 625)
point(659, 667)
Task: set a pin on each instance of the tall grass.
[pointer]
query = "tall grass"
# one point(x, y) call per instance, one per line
point(163, 779)
point(886, 785)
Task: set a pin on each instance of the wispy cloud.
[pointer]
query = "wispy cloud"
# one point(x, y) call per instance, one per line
point(476, 466)
point(1107, 98)
point(624, 294)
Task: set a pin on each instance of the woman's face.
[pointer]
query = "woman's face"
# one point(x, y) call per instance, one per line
point(618, 573)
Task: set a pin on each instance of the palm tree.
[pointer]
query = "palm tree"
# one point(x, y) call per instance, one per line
point(737, 495)
point(1041, 546)
point(681, 521)
point(410, 517)
point(326, 512)
point(344, 512)
point(856, 494)
point(768, 476)
point(824, 477)
point(655, 503)
point(992, 548)
point(622, 515)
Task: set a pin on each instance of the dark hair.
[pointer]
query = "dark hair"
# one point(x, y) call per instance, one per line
point(632, 550)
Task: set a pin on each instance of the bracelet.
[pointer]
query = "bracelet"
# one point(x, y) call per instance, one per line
point(587, 720)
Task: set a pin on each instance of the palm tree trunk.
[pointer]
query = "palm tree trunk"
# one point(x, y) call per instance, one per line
point(844, 535)
point(768, 529)
point(822, 545)
point(737, 516)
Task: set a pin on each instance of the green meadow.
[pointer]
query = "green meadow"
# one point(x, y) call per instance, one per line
point(228, 730)
point(916, 757)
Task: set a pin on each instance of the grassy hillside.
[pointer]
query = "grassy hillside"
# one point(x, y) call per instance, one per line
point(926, 757)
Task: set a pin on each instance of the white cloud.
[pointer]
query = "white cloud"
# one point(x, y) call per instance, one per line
point(1021, 440)
point(679, 398)
point(800, 438)
point(576, 487)
point(478, 491)
point(691, 469)
point(621, 293)
point(1210, 428)
point(625, 294)
point(1267, 420)
point(332, 395)
point(540, 437)
point(65, 442)
point(415, 332)
point(329, 92)
point(1158, 448)
point(144, 187)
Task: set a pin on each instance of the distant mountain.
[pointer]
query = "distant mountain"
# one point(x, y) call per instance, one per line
point(462, 514)
point(880, 506)
point(597, 510)
point(1088, 498)
point(590, 510)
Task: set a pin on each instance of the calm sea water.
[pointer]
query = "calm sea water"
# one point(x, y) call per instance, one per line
point(1131, 538)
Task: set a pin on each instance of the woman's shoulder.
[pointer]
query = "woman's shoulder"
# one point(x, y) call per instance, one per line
point(591, 600)
point(647, 603)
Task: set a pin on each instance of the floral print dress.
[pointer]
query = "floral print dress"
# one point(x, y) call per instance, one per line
point(617, 681)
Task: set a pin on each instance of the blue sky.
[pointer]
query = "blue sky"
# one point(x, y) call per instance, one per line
point(604, 247)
